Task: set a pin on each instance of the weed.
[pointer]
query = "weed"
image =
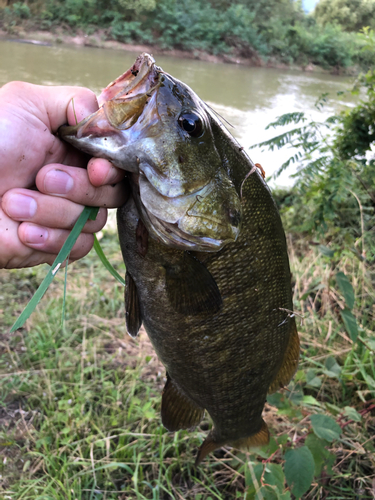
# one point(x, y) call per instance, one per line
point(80, 403)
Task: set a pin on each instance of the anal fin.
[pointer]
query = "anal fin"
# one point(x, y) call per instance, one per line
point(289, 364)
point(178, 411)
point(133, 316)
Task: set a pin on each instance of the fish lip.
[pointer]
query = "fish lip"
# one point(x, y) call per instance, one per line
point(143, 70)
point(141, 79)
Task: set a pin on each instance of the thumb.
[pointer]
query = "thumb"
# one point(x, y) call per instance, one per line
point(66, 104)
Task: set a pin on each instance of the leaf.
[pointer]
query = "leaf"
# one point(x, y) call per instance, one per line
point(352, 414)
point(326, 251)
point(325, 427)
point(274, 476)
point(346, 288)
point(310, 400)
point(268, 493)
point(332, 368)
point(299, 470)
point(350, 323)
point(371, 344)
point(312, 379)
point(318, 450)
point(285, 496)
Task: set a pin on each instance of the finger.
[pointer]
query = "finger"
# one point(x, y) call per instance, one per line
point(50, 241)
point(67, 104)
point(101, 172)
point(14, 254)
point(74, 184)
point(49, 211)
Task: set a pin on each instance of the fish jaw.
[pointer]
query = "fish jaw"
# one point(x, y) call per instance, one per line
point(106, 133)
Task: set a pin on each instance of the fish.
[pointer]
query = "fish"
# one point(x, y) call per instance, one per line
point(207, 268)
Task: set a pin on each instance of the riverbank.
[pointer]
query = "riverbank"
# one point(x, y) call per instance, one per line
point(99, 40)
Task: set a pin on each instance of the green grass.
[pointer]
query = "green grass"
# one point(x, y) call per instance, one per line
point(80, 403)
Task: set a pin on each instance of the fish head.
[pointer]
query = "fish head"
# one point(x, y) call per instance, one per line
point(158, 130)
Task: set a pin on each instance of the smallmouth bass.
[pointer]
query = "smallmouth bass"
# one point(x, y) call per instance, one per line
point(207, 269)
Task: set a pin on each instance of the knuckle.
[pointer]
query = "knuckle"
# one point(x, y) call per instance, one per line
point(16, 87)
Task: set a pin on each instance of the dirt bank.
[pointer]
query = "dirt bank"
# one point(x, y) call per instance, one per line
point(99, 40)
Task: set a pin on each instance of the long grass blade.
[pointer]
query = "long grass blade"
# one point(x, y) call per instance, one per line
point(87, 213)
point(64, 296)
point(106, 263)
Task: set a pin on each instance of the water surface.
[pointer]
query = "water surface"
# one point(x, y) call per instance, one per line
point(249, 98)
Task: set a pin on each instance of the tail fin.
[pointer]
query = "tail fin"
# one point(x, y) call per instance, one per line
point(211, 442)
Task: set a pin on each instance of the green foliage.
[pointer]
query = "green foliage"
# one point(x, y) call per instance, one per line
point(346, 288)
point(351, 15)
point(262, 29)
point(325, 427)
point(299, 470)
point(334, 196)
point(90, 397)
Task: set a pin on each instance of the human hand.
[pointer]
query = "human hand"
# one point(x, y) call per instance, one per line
point(35, 224)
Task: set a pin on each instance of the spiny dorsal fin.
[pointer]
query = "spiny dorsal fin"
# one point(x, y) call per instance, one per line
point(290, 361)
point(178, 411)
point(133, 316)
point(191, 287)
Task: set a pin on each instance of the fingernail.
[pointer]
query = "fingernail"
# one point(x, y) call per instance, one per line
point(35, 234)
point(21, 207)
point(58, 182)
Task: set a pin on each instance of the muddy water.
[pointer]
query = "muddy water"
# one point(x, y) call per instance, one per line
point(249, 98)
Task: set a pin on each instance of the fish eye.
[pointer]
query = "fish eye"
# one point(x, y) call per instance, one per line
point(191, 123)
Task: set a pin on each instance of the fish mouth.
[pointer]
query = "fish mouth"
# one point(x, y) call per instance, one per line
point(121, 104)
point(201, 215)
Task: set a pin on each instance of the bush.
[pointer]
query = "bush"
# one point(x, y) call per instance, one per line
point(265, 28)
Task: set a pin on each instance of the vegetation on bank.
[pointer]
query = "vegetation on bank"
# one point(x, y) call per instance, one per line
point(80, 400)
point(263, 31)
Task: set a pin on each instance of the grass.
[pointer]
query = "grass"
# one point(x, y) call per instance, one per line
point(80, 402)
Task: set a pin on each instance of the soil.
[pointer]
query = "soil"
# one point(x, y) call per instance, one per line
point(98, 39)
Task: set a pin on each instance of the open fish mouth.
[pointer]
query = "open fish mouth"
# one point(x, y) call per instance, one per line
point(184, 202)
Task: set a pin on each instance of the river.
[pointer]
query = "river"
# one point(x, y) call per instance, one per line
point(248, 98)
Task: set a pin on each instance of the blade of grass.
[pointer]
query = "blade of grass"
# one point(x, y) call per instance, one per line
point(87, 213)
point(64, 296)
point(106, 263)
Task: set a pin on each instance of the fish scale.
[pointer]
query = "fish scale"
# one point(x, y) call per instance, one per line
point(224, 362)
point(205, 253)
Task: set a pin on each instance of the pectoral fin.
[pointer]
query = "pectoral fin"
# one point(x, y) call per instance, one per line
point(178, 411)
point(133, 317)
point(191, 288)
point(290, 362)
